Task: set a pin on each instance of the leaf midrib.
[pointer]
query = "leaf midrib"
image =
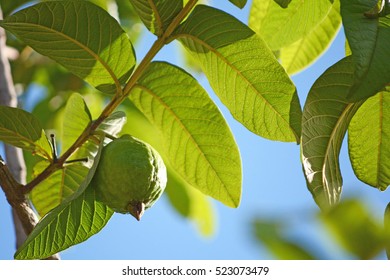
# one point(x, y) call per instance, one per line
point(84, 47)
point(215, 51)
point(143, 88)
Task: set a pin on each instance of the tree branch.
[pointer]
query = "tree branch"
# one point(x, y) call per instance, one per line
point(13, 176)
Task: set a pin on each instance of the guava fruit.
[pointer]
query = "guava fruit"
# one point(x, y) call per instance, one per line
point(130, 176)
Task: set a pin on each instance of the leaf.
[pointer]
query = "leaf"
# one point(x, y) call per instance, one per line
point(369, 141)
point(75, 220)
point(21, 129)
point(282, 27)
point(283, 3)
point(352, 226)
point(190, 203)
point(52, 191)
point(80, 36)
point(157, 15)
point(306, 50)
point(76, 118)
point(243, 72)
point(326, 116)
point(387, 229)
point(239, 3)
point(197, 140)
point(270, 234)
point(369, 39)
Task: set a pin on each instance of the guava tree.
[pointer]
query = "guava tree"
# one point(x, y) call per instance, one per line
point(113, 93)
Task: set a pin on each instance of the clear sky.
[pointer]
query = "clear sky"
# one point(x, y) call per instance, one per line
point(273, 186)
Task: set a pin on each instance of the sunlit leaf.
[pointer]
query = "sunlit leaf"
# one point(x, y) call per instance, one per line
point(306, 50)
point(244, 73)
point(76, 118)
point(326, 116)
point(75, 220)
point(157, 15)
point(282, 27)
point(52, 191)
point(21, 129)
point(82, 37)
point(369, 141)
point(196, 138)
point(369, 40)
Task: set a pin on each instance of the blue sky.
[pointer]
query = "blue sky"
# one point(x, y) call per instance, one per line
point(273, 186)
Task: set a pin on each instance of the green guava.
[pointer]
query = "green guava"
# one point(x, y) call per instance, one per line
point(130, 176)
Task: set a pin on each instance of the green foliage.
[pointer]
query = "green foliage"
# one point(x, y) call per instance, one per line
point(21, 129)
point(157, 15)
point(369, 141)
point(105, 61)
point(243, 73)
point(75, 220)
point(196, 138)
point(369, 39)
point(326, 116)
point(166, 107)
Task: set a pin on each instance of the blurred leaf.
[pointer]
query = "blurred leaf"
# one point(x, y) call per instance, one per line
point(8, 6)
point(75, 220)
point(244, 73)
point(369, 39)
point(157, 15)
point(369, 141)
point(197, 139)
point(352, 226)
point(326, 116)
point(282, 27)
point(21, 129)
point(270, 234)
point(190, 203)
point(239, 3)
point(129, 20)
point(105, 61)
point(76, 118)
point(387, 229)
point(306, 50)
point(52, 191)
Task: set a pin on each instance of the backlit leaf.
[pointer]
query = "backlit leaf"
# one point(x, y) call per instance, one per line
point(196, 138)
point(282, 27)
point(21, 129)
point(244, 73)
point(79, 35)
point(369, 141)
point(75, 220)
point(157, 15)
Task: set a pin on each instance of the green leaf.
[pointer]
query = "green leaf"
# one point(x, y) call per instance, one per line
point(283, 3)
point(52, 191)
point(80, 36)
point(190, 203)
point(75, 220)
point(282, 27)
point(387, 229)
point(369, 141)
point(326, 116)
point(21, 129)
point(369, 40)
point(306, 50)
point(353, 228)
point(239, 3)
point(196, 138)
point(157, 15)
point(244, 73)
point(76, 118)
point(271, 235)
